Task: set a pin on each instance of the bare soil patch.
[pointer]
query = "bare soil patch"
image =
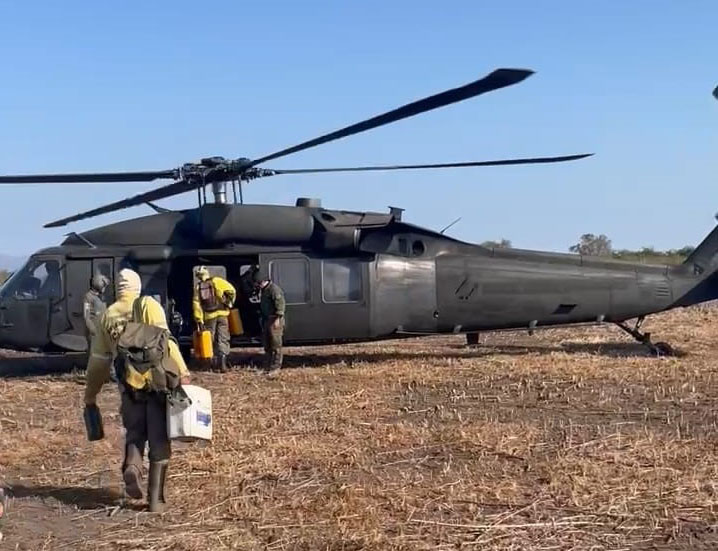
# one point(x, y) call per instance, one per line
point(569, 439)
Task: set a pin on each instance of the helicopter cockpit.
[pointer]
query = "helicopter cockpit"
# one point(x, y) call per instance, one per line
point(32, 305)
point(37, 279)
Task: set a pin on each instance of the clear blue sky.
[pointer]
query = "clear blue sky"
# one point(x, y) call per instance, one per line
point(90, 86)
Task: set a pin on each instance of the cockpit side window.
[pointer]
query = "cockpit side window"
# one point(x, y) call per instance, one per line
point(38, 279)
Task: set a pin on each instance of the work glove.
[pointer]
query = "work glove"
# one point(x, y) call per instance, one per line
point(200, 326)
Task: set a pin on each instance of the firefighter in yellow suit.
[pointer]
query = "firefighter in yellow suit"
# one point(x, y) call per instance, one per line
point(144, 417)
point(213, 298)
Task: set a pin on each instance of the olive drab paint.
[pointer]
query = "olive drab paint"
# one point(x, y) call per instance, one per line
point(391, 279)
point(347, 276)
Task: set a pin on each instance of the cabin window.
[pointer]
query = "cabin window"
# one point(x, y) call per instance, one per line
point(341, 281)
point(38, 279)
point(292, 275)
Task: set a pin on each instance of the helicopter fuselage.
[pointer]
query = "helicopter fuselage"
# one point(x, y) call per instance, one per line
point(347, 276)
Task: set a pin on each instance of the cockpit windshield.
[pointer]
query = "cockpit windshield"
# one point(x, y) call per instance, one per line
point(39, 278)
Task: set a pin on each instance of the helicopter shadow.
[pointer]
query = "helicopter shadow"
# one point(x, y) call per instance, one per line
point(608, 349)
point(616, 349)
point(350, 359)
point(23, 366)
point(58, 365)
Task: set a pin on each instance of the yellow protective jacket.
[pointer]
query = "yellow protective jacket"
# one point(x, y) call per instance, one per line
point(221, 286)
point(104, 344)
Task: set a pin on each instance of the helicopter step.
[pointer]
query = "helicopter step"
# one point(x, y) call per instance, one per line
point(659, 349)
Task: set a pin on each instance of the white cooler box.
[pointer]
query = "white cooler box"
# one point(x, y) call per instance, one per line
point(191, 418)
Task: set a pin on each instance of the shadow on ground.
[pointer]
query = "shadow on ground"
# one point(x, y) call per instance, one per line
point(40, 365)
point(349, 359)
point(80, 497)
point(22, 366)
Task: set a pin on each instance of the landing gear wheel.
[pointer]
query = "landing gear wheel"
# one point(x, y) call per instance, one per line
point(472, 339)
point(663, 349)
point(659, 349)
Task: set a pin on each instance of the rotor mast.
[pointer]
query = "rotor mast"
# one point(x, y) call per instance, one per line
point(219, 190)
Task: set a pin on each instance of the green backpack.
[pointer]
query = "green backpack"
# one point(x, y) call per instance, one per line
point(143, 362)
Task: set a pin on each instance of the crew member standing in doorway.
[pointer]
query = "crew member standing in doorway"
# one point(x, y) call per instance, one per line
point(272, 306)
point(213, 298)
point(93, 306)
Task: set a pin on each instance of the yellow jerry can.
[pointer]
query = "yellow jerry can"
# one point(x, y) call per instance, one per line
point(235, 323)
point(202, 343)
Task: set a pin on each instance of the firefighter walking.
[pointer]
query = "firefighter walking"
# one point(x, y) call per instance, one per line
point(143, 402)
point(213, 298)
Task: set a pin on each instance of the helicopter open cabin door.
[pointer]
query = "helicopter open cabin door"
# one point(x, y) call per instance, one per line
point(77, 283)
point(79, 272)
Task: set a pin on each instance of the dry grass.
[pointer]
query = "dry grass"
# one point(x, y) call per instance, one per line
point(571, 439)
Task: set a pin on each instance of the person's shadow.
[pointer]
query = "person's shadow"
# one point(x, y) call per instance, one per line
point(80, 497)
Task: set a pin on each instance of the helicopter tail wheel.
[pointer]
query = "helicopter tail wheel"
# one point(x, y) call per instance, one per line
point(659, 349)
point(663, 349)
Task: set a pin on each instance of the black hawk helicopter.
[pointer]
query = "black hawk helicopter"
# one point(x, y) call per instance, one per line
point(347, 276)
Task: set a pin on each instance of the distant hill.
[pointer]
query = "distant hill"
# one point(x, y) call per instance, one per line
point(9, 262)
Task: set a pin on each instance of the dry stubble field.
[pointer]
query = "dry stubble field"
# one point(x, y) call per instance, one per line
point(570, 439)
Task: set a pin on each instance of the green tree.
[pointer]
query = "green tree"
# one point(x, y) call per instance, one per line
point(683, 251)
point(503, 244)
point(592, 245)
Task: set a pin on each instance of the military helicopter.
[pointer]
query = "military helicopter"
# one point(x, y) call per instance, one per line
point(347, 276)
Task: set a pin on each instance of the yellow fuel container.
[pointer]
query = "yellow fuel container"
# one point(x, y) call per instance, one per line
point(202, 343)
point(235, 323)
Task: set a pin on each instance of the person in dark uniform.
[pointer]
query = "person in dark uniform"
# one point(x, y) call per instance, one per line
point(248, 301)
point(93, 306)
point(272, 308)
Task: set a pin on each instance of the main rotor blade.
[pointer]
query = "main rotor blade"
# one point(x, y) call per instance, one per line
point(163, 192)
point(501, 162)
point(88, 178)
point(498, 79)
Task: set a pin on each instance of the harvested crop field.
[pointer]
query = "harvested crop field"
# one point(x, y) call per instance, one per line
point(569, 439)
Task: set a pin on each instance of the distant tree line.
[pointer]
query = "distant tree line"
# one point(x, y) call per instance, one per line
point(502, 244)
point(600, 245)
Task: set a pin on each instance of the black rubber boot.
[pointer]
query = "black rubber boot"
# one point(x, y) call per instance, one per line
point(222, 364)
point(156, 486)
point(132, 472)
